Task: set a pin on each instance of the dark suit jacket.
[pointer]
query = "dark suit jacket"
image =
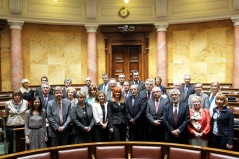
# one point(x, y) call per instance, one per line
point(100, 87)
point(190, 91)
point(53, 117)
point(81, 120)
point(225, 123)
point(143, 93)
point(151, 113)
point(183, 120)
point(141, 85)
point(137, 111)
point(124, 94)
point(116, 113)
point(50, 97)
point(38, 91)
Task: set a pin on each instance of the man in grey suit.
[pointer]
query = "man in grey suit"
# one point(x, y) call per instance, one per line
point(58, 113)
point(104, 86)
point(147, 92)
point(136, 80)
point(198, 92)
point(87, 86)
point(177, 85)
point(154, 114)
point(112, 85)
point(187, 87)
point(45, 95)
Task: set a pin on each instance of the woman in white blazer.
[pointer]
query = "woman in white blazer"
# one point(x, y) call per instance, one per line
point(101, 132)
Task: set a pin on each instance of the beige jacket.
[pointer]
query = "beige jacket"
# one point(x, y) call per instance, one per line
point(15, 118)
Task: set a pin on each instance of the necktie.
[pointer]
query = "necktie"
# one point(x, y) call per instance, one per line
point(60, 113)
point(148, 96)
point(104, 89)
point(126, 95)
point(156, 106)
point(45, 100)
point(103, 110)
point(175, 115)
point(133, 98)
point(185, 89)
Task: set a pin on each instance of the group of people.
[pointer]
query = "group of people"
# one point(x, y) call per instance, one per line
point(120, 111)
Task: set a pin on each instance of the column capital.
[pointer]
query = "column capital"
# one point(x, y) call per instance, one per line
point(235, 20)
point(161, 26)
point(15, 24)
point(91, 28)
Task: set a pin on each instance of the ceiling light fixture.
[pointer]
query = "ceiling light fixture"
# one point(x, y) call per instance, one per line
point(126, 1)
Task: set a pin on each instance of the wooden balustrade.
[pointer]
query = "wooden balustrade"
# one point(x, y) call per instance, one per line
point(165, 149)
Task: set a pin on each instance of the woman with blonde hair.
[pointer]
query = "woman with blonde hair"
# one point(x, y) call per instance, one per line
point(71, 92)
point(222, 124)
point(199, 125)
point(117, 115)
point(215, 88)
point(101, 132)
point(27, 92)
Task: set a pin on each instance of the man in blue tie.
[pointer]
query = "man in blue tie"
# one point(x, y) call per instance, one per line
point(104, 86)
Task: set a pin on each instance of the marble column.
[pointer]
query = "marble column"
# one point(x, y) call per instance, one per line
point(92, 53)
point(235, 82)
point(16, 53)
point(162, 52)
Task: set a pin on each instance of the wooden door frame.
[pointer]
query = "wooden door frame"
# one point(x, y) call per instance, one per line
point(116, 37)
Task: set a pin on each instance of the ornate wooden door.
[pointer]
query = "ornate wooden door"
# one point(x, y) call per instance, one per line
point(125, 59)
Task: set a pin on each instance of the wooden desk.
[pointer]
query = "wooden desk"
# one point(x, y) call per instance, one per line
point(18, 136)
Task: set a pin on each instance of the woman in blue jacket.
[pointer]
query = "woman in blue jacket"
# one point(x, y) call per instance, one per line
point(222, 124)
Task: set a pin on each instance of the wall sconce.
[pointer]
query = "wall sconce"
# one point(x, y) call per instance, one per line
point(126, 1)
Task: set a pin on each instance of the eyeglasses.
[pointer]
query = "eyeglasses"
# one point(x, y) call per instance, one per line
point(156, 92)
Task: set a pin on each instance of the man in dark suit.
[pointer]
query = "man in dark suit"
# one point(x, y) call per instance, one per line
point(176, 119)
point(187, 87)
point(126, 92)
point(45, 95)
point(147, 92)
point(154, 114)
point(38, 90)
point(67, 83)
point(104, 86)
point(58, 113)
point(136, 80)
point(135, 110)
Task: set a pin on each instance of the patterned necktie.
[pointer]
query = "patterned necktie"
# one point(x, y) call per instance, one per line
point(148, 96)
point(60, 113)
point(46, 101)
point(175, 115)
point(156, 106)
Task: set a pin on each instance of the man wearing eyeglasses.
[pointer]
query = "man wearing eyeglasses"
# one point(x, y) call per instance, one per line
point(154, 114)
point(120, 82)
point(38, 91)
